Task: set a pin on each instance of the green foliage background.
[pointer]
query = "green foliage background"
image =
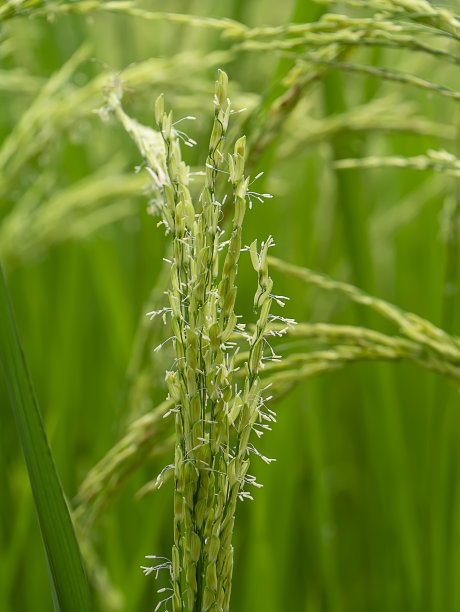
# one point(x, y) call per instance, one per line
point(361, 510)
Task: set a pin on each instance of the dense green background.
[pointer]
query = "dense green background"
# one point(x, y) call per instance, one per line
point(361, 510)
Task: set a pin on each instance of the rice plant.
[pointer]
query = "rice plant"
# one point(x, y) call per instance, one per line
point(350, 110)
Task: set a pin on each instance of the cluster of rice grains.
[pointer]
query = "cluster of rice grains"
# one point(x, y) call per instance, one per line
point(214, 418)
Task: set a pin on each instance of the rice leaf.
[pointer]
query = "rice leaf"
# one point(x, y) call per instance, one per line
point(67, 574)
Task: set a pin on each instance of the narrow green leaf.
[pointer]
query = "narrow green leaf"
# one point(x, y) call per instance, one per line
point(67, 574)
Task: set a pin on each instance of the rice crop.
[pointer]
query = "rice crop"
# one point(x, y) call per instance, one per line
point(157, 355)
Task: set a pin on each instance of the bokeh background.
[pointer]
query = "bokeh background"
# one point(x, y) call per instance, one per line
point(361, 510)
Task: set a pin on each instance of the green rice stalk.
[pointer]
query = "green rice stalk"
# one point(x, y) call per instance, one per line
point(342, 30)
point(411, 325)
point(31, 132)
point(388, 114)
point(418, 11)
point(59, 104)
point(39, 220)
point(214, 418)
point(438, 161)
point(393, 75)
point(144, 439)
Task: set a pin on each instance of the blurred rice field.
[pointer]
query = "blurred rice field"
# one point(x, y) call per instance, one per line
point(361, 510)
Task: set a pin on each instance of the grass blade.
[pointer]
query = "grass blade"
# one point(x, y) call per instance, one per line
point(67, 575)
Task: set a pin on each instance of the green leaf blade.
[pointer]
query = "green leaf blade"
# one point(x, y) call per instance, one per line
point(67, 574)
